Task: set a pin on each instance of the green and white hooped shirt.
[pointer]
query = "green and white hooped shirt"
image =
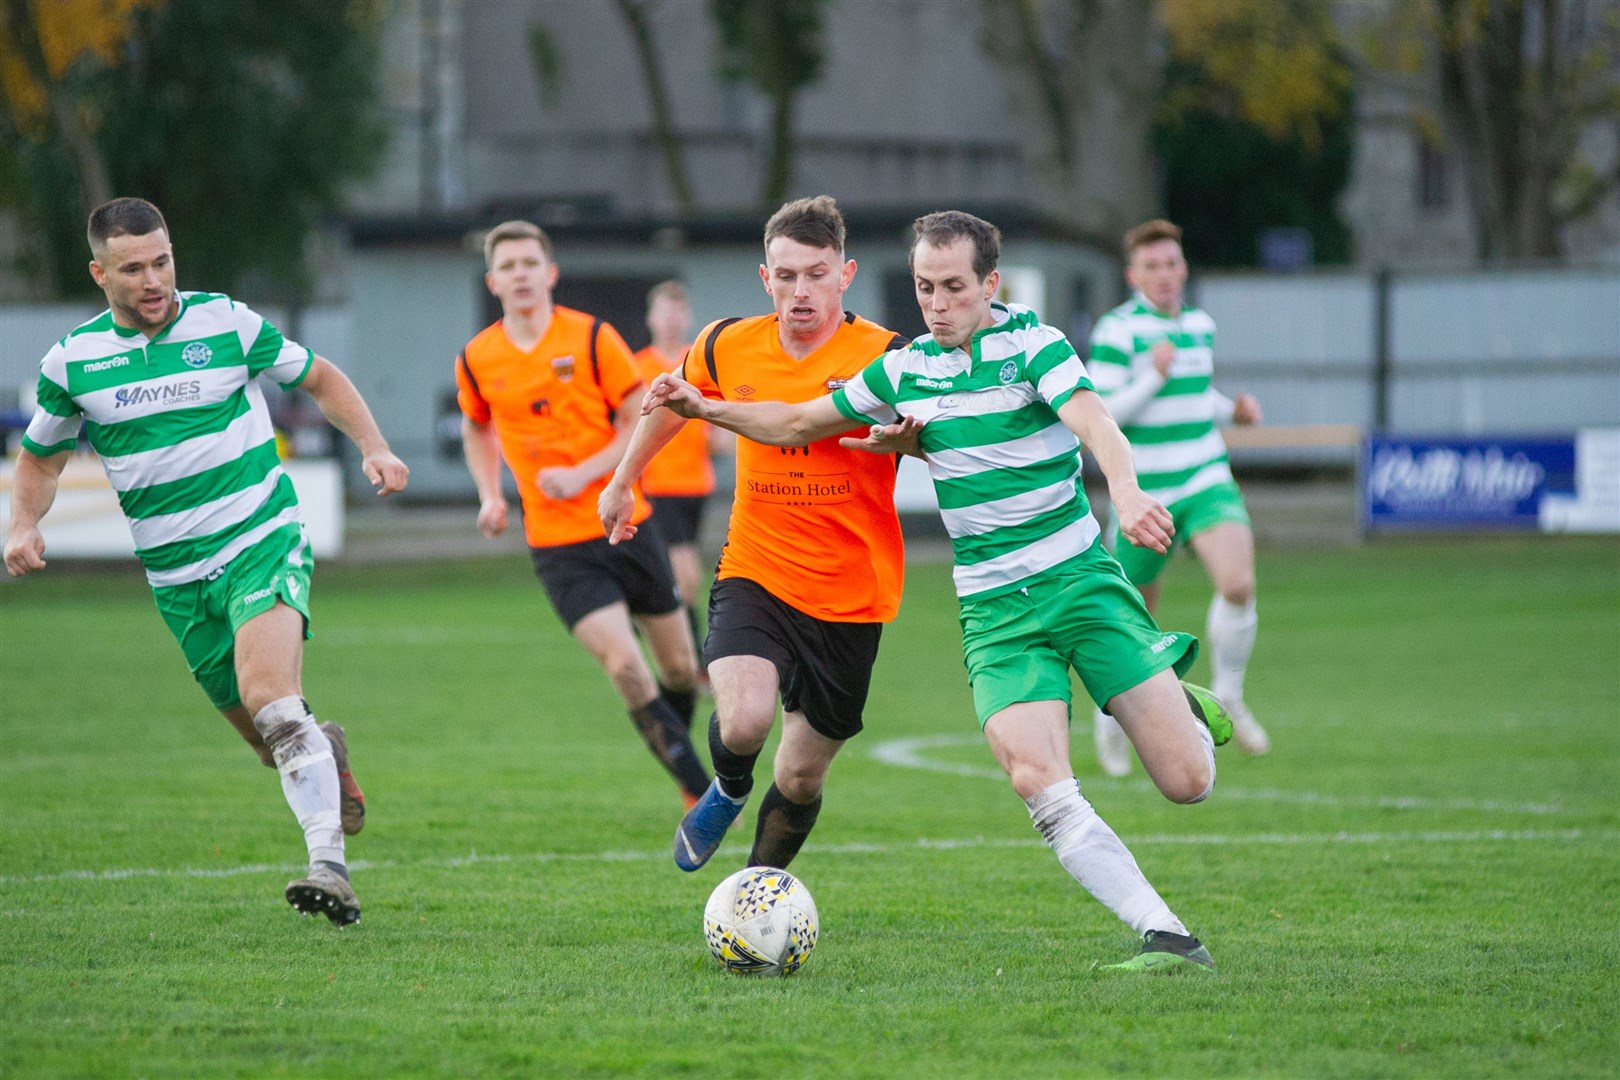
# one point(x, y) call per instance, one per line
point(1005, 468)
point(1170, 422)
point(181, 427)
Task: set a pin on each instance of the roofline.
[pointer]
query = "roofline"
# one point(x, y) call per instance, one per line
point(577, 220)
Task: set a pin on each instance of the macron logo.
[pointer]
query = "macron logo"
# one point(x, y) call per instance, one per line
point(255, 597)
point(103, 365)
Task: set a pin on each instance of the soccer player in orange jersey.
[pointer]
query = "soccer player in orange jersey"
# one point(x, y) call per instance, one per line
point(556, 393)
point(680, 479)
point(813, 562)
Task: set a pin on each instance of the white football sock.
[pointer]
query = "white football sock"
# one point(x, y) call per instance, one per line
point(1097, 858)
point(1230, 631)
point(1208, 742)
point(309, 777)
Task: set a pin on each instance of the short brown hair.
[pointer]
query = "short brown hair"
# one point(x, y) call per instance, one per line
point(123, 217)
point(944, 227)
point(814, 222)
point(671, 290)
point(1151, 232)
point(516, 230)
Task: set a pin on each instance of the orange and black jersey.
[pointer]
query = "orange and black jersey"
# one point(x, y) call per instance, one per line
point(551, 405)
point(682, 467)
point(815, 525)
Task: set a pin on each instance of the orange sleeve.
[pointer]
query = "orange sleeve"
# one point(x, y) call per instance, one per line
point(468, 396)
point(616, 369)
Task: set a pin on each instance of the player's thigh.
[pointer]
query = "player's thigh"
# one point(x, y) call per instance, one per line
point(1227, 552)
point(1156, 717)
point(802, 757)
point(1030, 740)
point(270, 656)
point(745, 692)
point(608, 634)
point(669, 639)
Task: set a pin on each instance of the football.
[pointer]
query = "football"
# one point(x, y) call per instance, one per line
point(761, 921)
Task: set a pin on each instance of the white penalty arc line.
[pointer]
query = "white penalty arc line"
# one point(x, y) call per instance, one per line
point(970, 843)
point(911, 754)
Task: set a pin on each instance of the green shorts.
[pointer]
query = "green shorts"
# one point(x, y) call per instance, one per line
point(205, 615)
point(1020, 646)
point(1194, 514)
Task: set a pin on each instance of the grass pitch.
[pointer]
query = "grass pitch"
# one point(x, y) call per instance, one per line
point(1422, 879)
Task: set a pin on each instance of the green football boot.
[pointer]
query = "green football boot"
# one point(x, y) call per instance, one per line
point(1209, 710)
point(1163, 951)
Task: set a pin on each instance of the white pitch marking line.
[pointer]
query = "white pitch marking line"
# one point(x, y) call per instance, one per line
point(909, 754)
point(456, 862)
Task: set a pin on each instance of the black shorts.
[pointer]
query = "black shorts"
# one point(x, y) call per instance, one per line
point(825, 668)
point(588, 576)
point(678, 518)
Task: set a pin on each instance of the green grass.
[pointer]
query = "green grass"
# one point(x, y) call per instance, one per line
point(1421, 880)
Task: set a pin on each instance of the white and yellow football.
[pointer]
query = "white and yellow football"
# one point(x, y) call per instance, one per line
point(761, 921)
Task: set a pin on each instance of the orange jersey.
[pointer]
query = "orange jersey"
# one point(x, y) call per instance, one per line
point(552, 405)
point(815, 526)
point(682, 467)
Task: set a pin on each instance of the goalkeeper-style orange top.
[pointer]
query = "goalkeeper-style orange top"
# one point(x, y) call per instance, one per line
point(682, 467)
point(815, 526)
point(552, 405)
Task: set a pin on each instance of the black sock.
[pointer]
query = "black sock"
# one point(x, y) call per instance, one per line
point(666, 737)
point(682, 701)
point(734, 771)
point(781, 829)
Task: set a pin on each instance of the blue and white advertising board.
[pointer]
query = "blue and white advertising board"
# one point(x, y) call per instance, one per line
point(1447, 483)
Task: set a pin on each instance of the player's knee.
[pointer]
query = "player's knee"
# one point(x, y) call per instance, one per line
point(799, 784)
point(1191, 783)
point(1031, 776)
point(1238, 591)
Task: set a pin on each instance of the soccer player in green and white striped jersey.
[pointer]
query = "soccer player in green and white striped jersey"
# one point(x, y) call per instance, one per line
point(996, 400)
point(1152, 359)
point(163, 386)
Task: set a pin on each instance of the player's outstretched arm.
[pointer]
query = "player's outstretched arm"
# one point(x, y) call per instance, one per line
point(32, 493)
point(774, 423)
point(901, 438)
point(1142, 520)
point(342, 404)
point(617, 503)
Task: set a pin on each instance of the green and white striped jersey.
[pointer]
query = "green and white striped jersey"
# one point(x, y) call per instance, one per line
point(1005, 468)
point(1170, 422)
point(181, 427)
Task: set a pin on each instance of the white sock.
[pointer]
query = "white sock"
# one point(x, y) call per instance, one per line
point(1230, 631)
point(1097, 858)
point(309, 777)
point(1208, 742)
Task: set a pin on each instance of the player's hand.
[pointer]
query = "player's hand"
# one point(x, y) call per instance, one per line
point(1143, 520)
point(674, 393)
point(25, 551)
point(386, 472)
point(561, 482)
point(901, 438)
point(492, 517)
point(1246, 409)
point(615, 506)
point(1164, 354)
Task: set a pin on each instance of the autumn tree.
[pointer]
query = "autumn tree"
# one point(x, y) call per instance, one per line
point(243, 121)
point(1254, 129)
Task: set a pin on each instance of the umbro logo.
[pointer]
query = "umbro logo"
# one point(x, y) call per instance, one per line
point(744, 390)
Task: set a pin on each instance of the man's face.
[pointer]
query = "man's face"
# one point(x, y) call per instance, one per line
point(806, 284)
point(520, 275)
point(669, 319)
point(954, 302)
point(137, 274)
point(1159, 272)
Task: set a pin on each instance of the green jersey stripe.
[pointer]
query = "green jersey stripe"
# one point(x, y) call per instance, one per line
point(997, 542)
point(194, 549)
point(39, 450)
point(992, 484)
point(204, 487)
point(1167, 433)
point(55, 400)
point(970, 431)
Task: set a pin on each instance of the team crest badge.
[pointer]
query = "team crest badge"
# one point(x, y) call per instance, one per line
point(562, 367)
point(1009, 372)
point(196, 354)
